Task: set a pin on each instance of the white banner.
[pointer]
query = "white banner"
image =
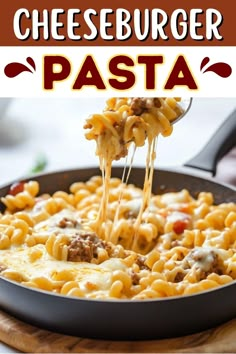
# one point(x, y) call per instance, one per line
point(117, 71)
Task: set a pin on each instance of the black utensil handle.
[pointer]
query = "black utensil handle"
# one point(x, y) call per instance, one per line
point(221, 142)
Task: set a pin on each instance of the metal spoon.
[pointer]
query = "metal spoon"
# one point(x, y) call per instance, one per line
point(143, 103)
point(185, 104)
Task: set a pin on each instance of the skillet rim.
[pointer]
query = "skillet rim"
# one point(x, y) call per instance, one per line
point(120, 301)
point(174, 170)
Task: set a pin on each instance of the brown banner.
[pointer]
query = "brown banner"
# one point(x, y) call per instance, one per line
point(212, 24)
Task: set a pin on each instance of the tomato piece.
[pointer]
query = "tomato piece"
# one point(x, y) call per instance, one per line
point(180, 225)
point(16, 188)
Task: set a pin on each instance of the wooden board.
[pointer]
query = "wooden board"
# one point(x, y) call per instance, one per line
point(30, 339)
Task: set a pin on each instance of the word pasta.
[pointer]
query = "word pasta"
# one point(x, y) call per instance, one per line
point(120, 75)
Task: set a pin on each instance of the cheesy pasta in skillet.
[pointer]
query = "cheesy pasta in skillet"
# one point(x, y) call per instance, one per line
point(107, 238)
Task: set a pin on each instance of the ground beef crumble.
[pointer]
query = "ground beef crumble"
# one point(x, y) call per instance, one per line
point(206, 261)
point(84, 247)
point(134, 277)
point(179, 277)
point(67, 222)
point(140, 261)
point(139, 105)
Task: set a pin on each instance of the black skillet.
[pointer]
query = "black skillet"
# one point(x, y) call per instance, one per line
point(132, 320)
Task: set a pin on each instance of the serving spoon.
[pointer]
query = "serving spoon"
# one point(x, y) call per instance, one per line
point(185, 104)
point(148, 102)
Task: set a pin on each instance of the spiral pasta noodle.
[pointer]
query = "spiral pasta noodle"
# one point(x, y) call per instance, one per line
point(125, 121)
point(22, 199)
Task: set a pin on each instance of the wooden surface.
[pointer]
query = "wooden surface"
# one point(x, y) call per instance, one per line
point(28, 338)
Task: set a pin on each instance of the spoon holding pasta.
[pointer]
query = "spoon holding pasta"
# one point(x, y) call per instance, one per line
point(126, 121)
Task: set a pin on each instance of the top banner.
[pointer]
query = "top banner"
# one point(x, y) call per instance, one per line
point(117, 23)
point(117, 48)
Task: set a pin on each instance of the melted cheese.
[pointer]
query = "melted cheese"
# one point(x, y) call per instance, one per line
point(51, 225)
point(90, 277)
point(115, 130)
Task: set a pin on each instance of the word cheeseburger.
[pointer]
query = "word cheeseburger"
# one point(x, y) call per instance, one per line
point(119, 24)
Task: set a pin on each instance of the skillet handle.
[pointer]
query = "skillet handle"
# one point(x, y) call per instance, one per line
point(221, 142)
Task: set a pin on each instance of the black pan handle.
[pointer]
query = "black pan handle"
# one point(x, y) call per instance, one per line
point(221, 142)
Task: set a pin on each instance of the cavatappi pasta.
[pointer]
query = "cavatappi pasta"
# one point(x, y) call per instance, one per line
point(125, 121)
point(184, 245)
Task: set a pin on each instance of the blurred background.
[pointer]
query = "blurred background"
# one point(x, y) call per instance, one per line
point(48, 133)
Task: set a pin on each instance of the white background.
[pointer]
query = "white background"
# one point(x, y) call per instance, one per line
point(54, 127)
